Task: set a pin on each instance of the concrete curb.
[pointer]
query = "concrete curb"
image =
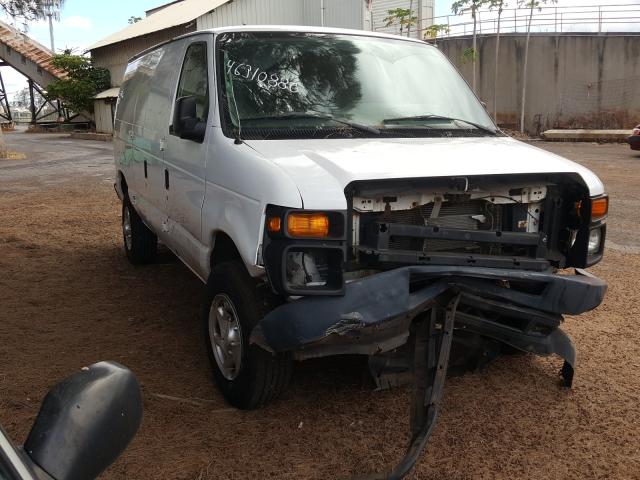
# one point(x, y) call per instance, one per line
point(586, 135)
point(100, 137)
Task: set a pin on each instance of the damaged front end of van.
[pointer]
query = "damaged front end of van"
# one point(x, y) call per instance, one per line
point(425, 276)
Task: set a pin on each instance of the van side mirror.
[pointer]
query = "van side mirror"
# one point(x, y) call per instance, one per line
point(86, 422)
point(185, 120)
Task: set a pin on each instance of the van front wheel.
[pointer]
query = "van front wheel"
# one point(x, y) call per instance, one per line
point(140, 243)
point(248, 376)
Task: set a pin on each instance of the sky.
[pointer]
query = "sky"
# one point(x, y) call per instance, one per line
point(84, 22)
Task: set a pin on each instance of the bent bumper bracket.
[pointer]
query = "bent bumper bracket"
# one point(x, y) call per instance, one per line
point(377, 313)
point(433, 337)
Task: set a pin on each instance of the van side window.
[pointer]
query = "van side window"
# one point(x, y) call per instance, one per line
point(194, 79)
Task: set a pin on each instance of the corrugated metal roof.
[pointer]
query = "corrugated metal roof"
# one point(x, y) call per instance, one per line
point(111, 93)
point(171, 16)
point(30, 49)
point(160, 7)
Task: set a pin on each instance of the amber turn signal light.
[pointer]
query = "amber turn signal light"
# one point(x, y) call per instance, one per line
point(308, 225)
point(274, 224)
point(599, 208)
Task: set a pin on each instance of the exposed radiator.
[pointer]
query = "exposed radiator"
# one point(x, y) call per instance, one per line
point(466, 214)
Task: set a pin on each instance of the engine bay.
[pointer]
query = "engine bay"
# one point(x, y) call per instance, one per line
point(521, 224)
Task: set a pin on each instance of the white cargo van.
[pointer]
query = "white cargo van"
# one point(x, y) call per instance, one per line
point(339, 190)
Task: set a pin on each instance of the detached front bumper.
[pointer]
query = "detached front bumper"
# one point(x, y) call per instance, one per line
point(519, 308)
point(377, 313)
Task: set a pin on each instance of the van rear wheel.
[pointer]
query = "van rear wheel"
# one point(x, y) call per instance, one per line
point(140, 243)
point(248, 376)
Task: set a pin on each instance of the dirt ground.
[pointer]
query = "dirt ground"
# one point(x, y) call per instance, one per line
point(69, 298)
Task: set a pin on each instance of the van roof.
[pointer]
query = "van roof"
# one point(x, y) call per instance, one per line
point(304, 29)
point(284, 28)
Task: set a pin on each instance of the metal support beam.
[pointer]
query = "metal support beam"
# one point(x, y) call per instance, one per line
point(39, 112)
point(32, 105)
point(5, 109)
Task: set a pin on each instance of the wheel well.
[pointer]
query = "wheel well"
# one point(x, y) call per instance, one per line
point(223, 249)
point(123, 183)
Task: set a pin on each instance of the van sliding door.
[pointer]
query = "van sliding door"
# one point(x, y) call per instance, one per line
point(153, 78)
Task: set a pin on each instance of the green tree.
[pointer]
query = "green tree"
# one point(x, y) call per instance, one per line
point(468, 55)
point(463, 6)
point(434, 30)
point(133, 19)
point(531, 5)
point(21, 99)
point(402, 16)
point(500, 5)
point(83, 82)
point(29, 10)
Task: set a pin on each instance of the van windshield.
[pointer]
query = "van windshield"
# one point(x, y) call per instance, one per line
point(310, 85)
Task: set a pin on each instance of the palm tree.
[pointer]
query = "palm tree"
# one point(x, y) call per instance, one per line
point(531, 4)
point(434, 30)
point(29, 10)
point(404, 16)
point(51, 11)
point(499, 4)
point(410, 12)
point(463, 6)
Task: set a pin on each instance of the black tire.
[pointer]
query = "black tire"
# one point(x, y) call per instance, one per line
point(261, 376)
point(142, 246)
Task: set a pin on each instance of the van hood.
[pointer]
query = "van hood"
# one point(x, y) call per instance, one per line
point(323, 168)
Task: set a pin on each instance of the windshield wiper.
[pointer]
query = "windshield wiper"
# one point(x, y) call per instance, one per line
point(322, 116)
point(442, 117)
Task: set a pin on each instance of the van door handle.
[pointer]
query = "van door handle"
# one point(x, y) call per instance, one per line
point(145, 169)
point(166, 179)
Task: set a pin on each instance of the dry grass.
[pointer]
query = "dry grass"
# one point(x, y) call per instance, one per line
point(13, 156)
point(69, 298)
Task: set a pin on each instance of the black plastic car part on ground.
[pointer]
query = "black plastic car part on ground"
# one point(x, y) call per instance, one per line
point(84, 424)
point(378, 313)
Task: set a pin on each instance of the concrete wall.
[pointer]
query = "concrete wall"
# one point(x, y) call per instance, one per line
point(573, 80)
point(115, 56)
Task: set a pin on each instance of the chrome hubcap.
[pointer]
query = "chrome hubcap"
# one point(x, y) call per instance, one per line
point(225, 336)
point(126, 228)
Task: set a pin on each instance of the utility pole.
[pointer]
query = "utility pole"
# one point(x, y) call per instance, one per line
point(322, 13)
point(51, 11)
point(371, 15)
point(53, 45)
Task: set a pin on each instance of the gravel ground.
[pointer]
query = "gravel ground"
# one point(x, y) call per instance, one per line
point(68, 298)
